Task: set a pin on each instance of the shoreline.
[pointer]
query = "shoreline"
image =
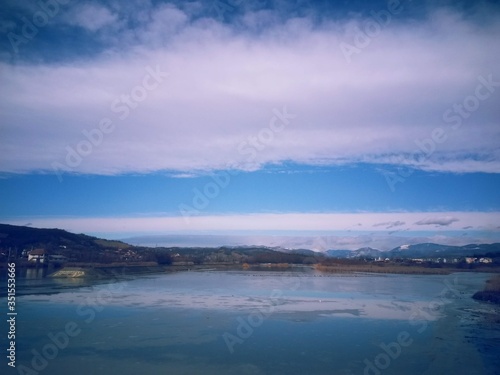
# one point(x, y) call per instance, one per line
point(491, 292)
point(400, 270)
point(452, 349)
point(102, 270)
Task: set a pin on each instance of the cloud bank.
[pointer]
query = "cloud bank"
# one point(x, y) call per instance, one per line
point(301, 222)
point(439, 221)
point(291, 230)
point(423, 93)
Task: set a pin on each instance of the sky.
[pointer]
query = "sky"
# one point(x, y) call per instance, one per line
point(301, 123)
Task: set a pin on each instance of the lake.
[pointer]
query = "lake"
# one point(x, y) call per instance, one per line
point(256, 322)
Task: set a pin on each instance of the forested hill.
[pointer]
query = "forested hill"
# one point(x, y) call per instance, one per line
point(21, 237)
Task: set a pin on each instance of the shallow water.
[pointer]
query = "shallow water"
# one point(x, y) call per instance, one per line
point(255, 323)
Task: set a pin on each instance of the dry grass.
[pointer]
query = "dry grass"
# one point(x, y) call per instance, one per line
point(414, 270)
point(493, 284)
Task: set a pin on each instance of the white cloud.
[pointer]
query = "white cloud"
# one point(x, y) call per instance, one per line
point(224, 85)
point(438, 221)
point(301, 222)
point(390, 224)
point(92, 17)
point(163, 23)
point(317, 231)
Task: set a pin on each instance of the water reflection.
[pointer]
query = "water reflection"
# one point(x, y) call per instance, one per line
point(35, 273)
point(181, 323)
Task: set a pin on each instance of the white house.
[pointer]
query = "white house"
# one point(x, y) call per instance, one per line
point(38, 255)
point(485, 260)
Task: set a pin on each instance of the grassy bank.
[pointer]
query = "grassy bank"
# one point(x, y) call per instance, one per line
point(491, 292)
point(383, 268)
point(398, 268)
point(132, 268)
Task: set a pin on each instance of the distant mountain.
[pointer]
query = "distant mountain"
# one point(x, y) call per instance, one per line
point(483, 248)
point(80, 247)
point(432, 250)
point(364, 252)
point(19, 238)
point(422, 250)
point(338, 253)
point(306, 252)
point(171, 240)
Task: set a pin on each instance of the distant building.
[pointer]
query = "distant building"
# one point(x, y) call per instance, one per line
point(38, 255)
point(42, 256)
point(485, 260)
point(440, 260)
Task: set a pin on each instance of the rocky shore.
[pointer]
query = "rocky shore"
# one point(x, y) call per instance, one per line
point(491, 292)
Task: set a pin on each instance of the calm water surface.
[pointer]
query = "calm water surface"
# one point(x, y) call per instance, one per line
point(256, 323)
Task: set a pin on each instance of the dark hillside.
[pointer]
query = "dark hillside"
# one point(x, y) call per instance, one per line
point(19, 238)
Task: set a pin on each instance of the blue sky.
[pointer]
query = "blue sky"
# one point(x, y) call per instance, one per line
point(296, 123)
